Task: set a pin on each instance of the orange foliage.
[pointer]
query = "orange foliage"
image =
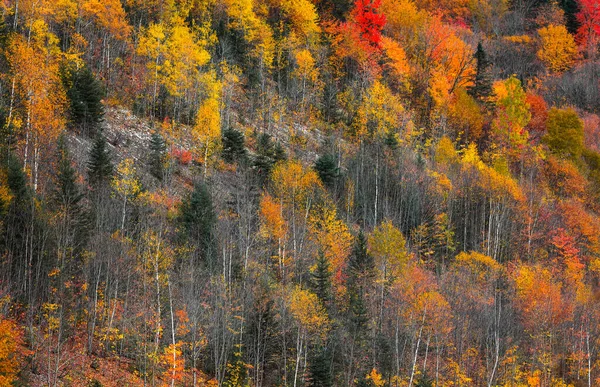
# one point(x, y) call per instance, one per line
point(564, 179)
point(539, 113)
point(11, 351)
point(272, 223)
point(538, 297)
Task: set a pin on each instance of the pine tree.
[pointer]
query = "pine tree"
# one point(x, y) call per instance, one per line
point(320, 369)
point(85, 95)
point(198, 218)
point(327, 169)
point(99, 166)
point(321, 279)
point(158, 155)
point(482, 84)
point(234, 149)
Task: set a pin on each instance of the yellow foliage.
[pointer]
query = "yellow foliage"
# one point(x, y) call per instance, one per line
point(293, 183)
point(375, 378)
point(174, 54)
point(127, 183)
point(496, 184)
point(303, 16)
point(305, 66)
point(388, 247)
point(380, 113)
point(256, 31)
point(308, 312)
point(558, 49)
point(331, 235)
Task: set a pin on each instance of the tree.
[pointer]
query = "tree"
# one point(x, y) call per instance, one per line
point(320, 369)
point(512, 115)
point(558, 49)
point(99, 165)
point(267, 154)
point(565, 133)
point(327, 169)
point(360, 271)
point(321, 279)
point(482, 82)
point(234, 149)
point(85, 95)
point(197, 217)
point(370, 21)
point(588, 32)
point(11, 355)
point(158, 155)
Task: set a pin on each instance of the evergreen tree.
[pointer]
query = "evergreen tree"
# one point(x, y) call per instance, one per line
point(321, 279)
point(66, 192)
point(158, 155)
point(267, 154)
point(233, 146)
point(198, 218)
point(99, 166)
point(361, 272)
point(482, 84)
point(327, 169)
point(320, 369)
point(85, 95)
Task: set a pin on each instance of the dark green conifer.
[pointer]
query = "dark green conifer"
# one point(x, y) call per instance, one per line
point(321, 279)
point(327, 169)
point(234, 149)
point(85, 95)
point(482, 84)
point(267, 154)
point(320, 369)
point(158, 155)
point(99, 166)
point(198, 218)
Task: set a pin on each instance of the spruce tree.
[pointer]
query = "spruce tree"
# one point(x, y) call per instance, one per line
point(158, 155)
point(482, 84)
point(234, 149)
point(321, 279)
point(267, 154)
point(320, 369)
point(327, 169)
point(66, 192)
point(85, 95)
point(198, 218)
point(99, 166)
point(361, 272)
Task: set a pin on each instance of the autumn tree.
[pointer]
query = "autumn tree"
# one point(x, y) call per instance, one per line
point(558, 49)
point(588, 18)
point(565, 133)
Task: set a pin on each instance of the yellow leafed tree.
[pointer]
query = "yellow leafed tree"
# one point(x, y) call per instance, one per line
point(558, 49)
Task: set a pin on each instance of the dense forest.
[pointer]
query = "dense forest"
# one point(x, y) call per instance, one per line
point(295, 193)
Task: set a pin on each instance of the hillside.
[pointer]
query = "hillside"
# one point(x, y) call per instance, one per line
point(317, 193)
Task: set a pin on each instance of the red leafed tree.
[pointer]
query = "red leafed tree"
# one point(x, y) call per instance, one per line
point(588, 18)
point(366, 15)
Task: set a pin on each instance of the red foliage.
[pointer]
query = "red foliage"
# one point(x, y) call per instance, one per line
point(370, 22)
point(183, 156)
point(588, 18)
